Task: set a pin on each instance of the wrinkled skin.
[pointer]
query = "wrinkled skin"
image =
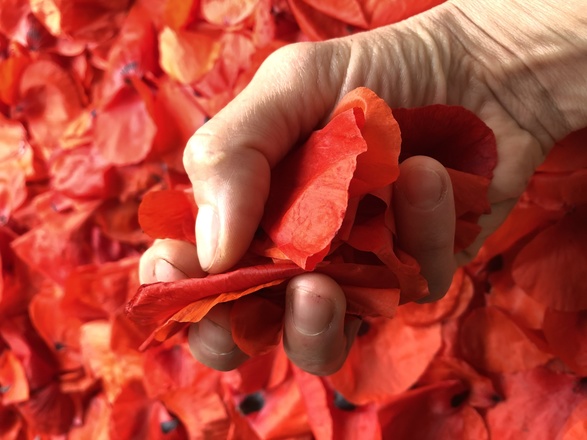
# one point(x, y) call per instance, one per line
point(468, 53)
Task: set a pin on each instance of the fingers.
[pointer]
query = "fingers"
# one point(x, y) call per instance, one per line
point(210, 340)
point(317, 337)
point(169, 260)
point(425, 220)
point(229, 158)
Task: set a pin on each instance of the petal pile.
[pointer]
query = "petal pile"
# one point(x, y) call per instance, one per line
point(98, 99)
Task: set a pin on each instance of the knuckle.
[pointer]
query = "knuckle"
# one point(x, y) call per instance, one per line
point(202, 153)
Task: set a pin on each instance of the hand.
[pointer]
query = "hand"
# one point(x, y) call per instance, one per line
point(438, 57)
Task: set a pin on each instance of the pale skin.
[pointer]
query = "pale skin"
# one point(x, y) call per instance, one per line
point(520, 66)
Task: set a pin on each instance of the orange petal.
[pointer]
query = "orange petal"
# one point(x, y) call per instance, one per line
point(187, 55)
point(492, 342)
point(373, 371)
point(550, 267)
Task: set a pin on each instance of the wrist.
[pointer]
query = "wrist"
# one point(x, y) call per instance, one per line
point(532, 55)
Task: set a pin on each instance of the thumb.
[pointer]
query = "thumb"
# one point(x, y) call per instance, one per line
point(229, 159)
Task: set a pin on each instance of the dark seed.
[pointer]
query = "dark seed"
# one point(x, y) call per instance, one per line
point(581, 386)
point(495, 264)
point(496, 398)
point(364, 328)
point(458, 399)
point(341, 403)
point(59, 346)
point(252, 403)
point(169, 425)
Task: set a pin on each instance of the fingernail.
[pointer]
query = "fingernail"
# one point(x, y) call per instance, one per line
point(207, 226)
point(164, 271)
point(423, 188)
point(311, 313)
point(214, 338)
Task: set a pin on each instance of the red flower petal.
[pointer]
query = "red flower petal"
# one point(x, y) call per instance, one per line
point(187, 55)
point(124, 128)
point(49, 411)
point(432, 412)
point(80, 173)
point(50, 106)
point(309, 191)
point(347, 11)
point(537, 404)
point(158, 301)
point(568, 154)
point(482, 393)
point(549, 267)
point(14, 385)
point(180, 215)
point(256, 336)
point(315, 24)
point(378, 166)
point(327, 419)
point(566, 334)
point(576, 426)
point(228, 13)
point(382, 13)
point(511, 299)
point(374, 371)
point(453, 135)
point(492, 342)
point(460, 291)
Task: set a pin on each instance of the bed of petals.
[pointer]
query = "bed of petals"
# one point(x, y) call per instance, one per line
point(97, 100)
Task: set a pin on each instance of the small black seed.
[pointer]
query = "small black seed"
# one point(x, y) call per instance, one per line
point(495, 264)
point(341, 403)
point(364, 328)
point(252, 403)
point(169, 425)
point(496, 398)
point(458, 399)
point(206, 119)
point(4, 389)
point(59, 346)
point(581, 386)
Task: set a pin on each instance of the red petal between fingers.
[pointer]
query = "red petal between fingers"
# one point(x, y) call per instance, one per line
point(180, 215)
point(154, 302)
point(309, 190)
point(256, 336)
point(452, 135)
point(378, 166)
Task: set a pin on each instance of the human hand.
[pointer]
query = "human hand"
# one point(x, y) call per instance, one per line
point(438, 57)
